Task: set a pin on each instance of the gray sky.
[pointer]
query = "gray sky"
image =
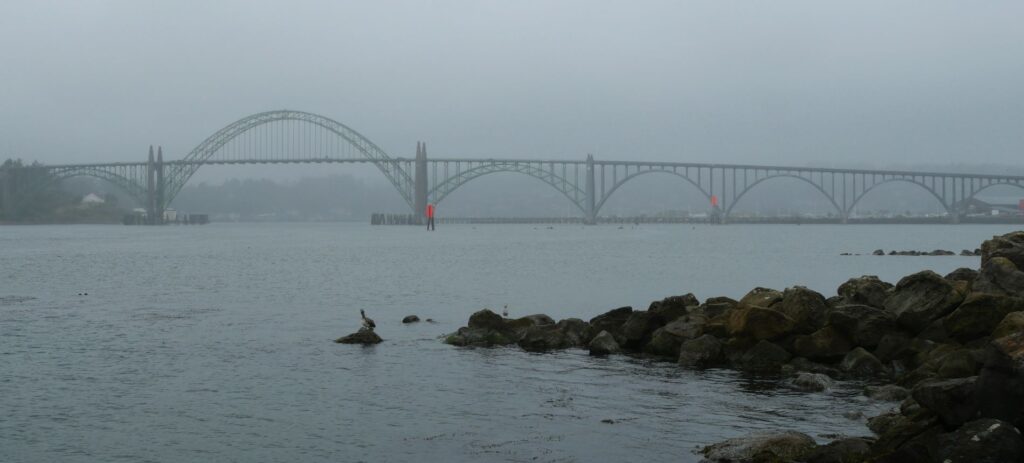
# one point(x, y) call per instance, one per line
point(809, 82)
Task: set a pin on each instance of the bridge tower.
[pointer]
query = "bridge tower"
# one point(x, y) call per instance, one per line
point(591, 217)
point(420, 191)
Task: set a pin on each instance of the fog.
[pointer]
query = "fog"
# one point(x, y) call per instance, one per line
point(864, 83)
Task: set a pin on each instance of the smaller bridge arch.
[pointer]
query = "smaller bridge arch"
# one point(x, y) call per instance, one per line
point(817, 186)
point(942, 201)
point(608, 194)
point(534, 169)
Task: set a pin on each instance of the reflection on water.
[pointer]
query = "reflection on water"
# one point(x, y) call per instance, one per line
point(214, 343)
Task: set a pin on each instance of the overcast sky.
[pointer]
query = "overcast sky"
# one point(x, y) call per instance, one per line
point(810, 82)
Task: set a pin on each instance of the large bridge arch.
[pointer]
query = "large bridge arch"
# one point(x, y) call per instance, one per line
point(810, 182)
point(180, 172)
point(608, 194)
point(939, 198)
point(568, 189)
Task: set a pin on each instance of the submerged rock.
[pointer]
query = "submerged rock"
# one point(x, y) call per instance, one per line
point(860, 362)
point(887, 393)
point(363, 336)
point(761, 447)
point(410, 319)
point(812, 382)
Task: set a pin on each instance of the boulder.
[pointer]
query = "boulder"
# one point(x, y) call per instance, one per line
point(576, 331)
point(812, 382)
point(952, 400)
point(764, 357)
point(543, 337)
point(716, 306)
point(898, 347)
point(701, 352)
point(1011, 323)
point(604, 344)
point(979, 314)
point(516, 328)
point(860, 362)
point(674, 307)
point(960, 363)
point(637, 330)
point(864, 325)
point(761, 297)
point(478, 337)
point(666, 340)
point(920, 298)
point(845, 450)
point(759, 323)
point(866, 290)
point(1009, 246)
point(485, 319)
point(902, 439)
point(962, 274)
point(999, 275)
point(611, 321)
point(761, 447)
point(886, 393)
point(363, 336)
point(825, 344)
point(984, 440)
point(1000, 387)
point(410, 319)
point(806, 308)
point(878, 252)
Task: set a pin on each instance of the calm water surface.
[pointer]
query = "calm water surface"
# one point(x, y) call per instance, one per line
point(213, 343)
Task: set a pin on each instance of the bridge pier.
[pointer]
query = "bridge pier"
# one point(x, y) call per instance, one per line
point(419, 208)
point(155, 187)
point(591, 214)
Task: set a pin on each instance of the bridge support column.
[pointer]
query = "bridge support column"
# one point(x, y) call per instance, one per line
point(151, 188)
point(591, 218)
point(420, 187)
point(158, 195)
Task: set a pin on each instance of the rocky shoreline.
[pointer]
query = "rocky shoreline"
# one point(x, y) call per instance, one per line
point(949, 348)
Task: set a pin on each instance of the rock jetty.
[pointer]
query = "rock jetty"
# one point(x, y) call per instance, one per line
point(949, 348)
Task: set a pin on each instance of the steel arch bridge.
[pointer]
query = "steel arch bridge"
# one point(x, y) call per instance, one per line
point(283, 137)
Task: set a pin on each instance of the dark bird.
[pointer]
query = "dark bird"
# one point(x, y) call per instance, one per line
point(367, 322)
